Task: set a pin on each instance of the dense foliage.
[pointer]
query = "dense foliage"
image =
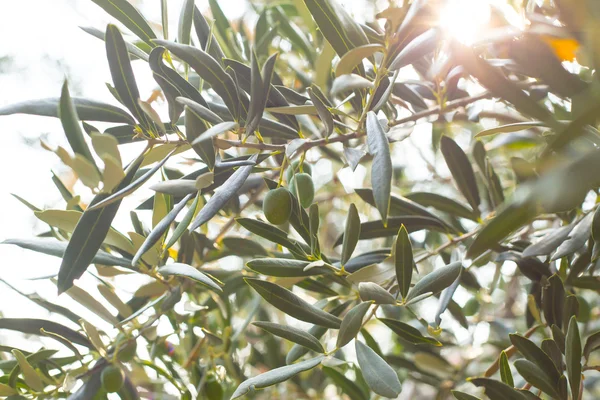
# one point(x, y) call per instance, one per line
point(474, 276)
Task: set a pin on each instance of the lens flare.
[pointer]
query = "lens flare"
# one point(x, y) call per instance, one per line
point(465, 20)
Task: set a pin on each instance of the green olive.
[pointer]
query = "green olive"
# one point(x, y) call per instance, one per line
point(295, 168)
point(277, 206)
point(303, 187)
point(112, 378)
point(126, 349)
point(471, 307)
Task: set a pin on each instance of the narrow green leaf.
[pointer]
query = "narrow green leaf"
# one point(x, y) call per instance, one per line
point(533, 374)
point(403, 260)
point(30, 375)
point(323, 112)
point(461, 170)
point(293, 305)
point(214, 131)
point(208, 42)
point(70, 122)
point(86, 109)
point(509, 128)
point(347, 386)
point(185, 22)
point(412, 223)
point(159, 230)
point(126, 187)
point(436, 281)
point(409, 333)
point(122, 74)
point(275, 376)
point(505, 373)
point(370, 291)
point(349, 82)
point(536, 355)
point(269, 232)
point(554, 301)
point(354, 57)
point(443, 204)
point(57, 249)
point(89, 234)
point(573, 357)
point(592, 343)
point(506, 221)
point(463, 396)
point(209, 70)
point(284, 267)
point(223, 195)
point(187, 271)
point(380, 377)
point(201, 111)
point(419, 47)
point(129, 16)
point(292, 334)
point(351, 234)
point(338, 27)
point(351, 324)
point(497, 390)
point(33, 326)
point(381, 170)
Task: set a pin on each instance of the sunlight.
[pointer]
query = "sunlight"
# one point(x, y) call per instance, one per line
point(465, 19)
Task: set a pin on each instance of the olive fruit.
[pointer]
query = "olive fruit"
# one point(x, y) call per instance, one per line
point(277, 206)
point(294, 168)
point(302, 186)
point(471, 307)
point(112, 378)
point(126, 349)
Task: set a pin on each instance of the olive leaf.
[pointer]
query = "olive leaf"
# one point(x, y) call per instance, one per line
point(380, 377)
point(381, 170)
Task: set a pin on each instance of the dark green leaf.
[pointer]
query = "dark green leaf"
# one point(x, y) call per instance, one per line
point(403, 260)
point(435, 281)
point(370, 291)
point(351, 324)
point(32, 326)
point(293, 305)
point(349, 82)
point(206, 37)
point(159, 230)
point(126, 188)
point(506, 221)
point(201, 111)
point(122, 74)
point(185, 22)
point(549, 242)
point(57, 249)
point(376, 229)
point(536, 355)
point(284, 267)
point(269, 232)
point(134, 51)
point(577, 238)
point(380, 377)
point(323, 111)
point(505, 373)
point(89, 233)
point(351, 234)
point(129, 16)
point(416, 49)
point(409, 333)
point(573, 357)
point(351, 389)
point(223, 195)
point(592, 343)
point(274, 376)
point(496, 390)
point(461, 170)
point(463, 396)
point(536, 376)
point(554, 301)
point(381, 170)
point(70, 122)
point(338, 27)
point(442, 203)
point(290, 333)
point(187, 271)
point(87, 110)
point(209, 70)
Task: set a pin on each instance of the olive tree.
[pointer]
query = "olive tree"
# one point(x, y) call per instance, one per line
point(262, 273)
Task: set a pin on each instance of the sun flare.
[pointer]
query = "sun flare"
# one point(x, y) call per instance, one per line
point(465, 20)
